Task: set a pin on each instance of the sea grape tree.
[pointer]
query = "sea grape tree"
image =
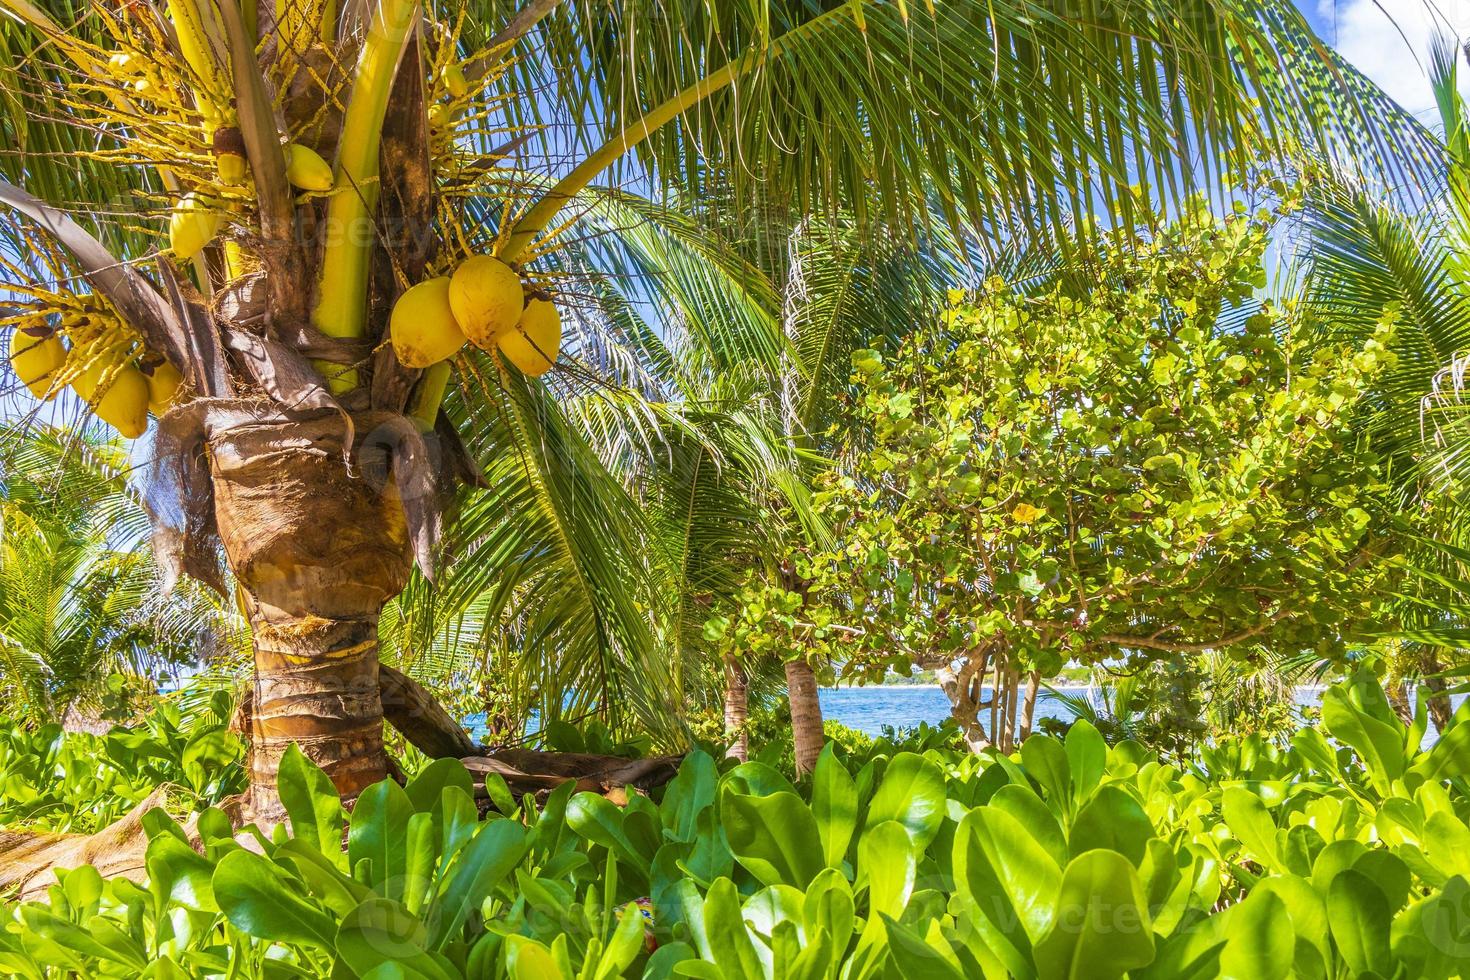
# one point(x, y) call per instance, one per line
point(1150, 466)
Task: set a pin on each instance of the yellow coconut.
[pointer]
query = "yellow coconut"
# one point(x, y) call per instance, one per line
point(163, 387)
point(191, 226)
point(534, 343)
point(306, 169)
point(454, 82)
point(423, 326)
point(439, 117)
point(122, 403)
point(232, 169)
point(35, 359)
point(485, 295)
point(85, 384)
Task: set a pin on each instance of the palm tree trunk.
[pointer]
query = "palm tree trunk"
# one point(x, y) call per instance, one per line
point(736, 710)
point(806, 714)
point(318, 551)
point(316, 685)
point(1440, 709)
point(1398, 696)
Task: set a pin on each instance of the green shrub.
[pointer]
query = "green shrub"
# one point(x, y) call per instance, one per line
point(73, 781)
point(1340, 857)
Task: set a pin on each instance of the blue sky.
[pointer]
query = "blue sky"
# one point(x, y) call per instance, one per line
point(1388, 39)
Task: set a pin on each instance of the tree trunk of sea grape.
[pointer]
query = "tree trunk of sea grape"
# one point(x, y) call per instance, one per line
point(963, 688)
point(318, 551)
point(736, 710)
point(1028, 709)
point(806, 714)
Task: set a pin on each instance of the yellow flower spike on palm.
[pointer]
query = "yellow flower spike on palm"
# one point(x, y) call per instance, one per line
point(122, 64)
point(306, 169)
point(485, 295)
point(423, 326)
point(163, 387)
point(35, 357)
point(536, 340)
point(192, 226)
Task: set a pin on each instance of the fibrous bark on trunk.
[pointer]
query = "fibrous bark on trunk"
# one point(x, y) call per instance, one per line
point(318, 550)
point(806, 714)
point(736, 710)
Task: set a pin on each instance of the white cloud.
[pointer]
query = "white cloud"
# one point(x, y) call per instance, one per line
point(1388, 40)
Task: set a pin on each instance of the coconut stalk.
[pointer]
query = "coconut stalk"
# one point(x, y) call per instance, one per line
point(342, 281)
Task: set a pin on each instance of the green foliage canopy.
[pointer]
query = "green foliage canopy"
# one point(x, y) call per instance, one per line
point(1159, 464)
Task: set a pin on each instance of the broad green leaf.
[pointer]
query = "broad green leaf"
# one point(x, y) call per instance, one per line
point(381, 931)
point(1359, 916)
point(912, 793)
point(763, 913)
point(426, 788)
point(688, 794)
point(1006, 877)
point(916, 956)
point(828, 907)
point(376, 836)
point(624, 946)
point(887, 861)
point(1251, 823)
point(312, 803)
point(496, 848)
point(1111, 820)
point(1378, 743)
point(775, 837)
point(1260, 943)
point(597, 819)
point(261, 900)
point(1046, 762)
point(834, 804)
point(1021, 802)
point(1100, 928)
point(179, 875)
point(1308, 911)
point(729, 943)
point(1087, 756)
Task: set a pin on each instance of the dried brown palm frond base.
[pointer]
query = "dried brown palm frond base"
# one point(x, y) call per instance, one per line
point(28, 859)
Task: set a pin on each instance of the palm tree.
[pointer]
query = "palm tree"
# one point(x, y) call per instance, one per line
point(79, 594)
point(418, 135)
point(1366, 257)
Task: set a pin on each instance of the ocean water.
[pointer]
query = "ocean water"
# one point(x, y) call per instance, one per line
point(869, 709)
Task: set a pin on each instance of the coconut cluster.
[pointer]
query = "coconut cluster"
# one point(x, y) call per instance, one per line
point(483, 303)
point(119, 392)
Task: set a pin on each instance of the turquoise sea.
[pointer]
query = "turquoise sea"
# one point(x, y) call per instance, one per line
point(869, 709)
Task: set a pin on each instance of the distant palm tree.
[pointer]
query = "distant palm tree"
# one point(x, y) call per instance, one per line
point(1367, 257)
point(80, 596)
